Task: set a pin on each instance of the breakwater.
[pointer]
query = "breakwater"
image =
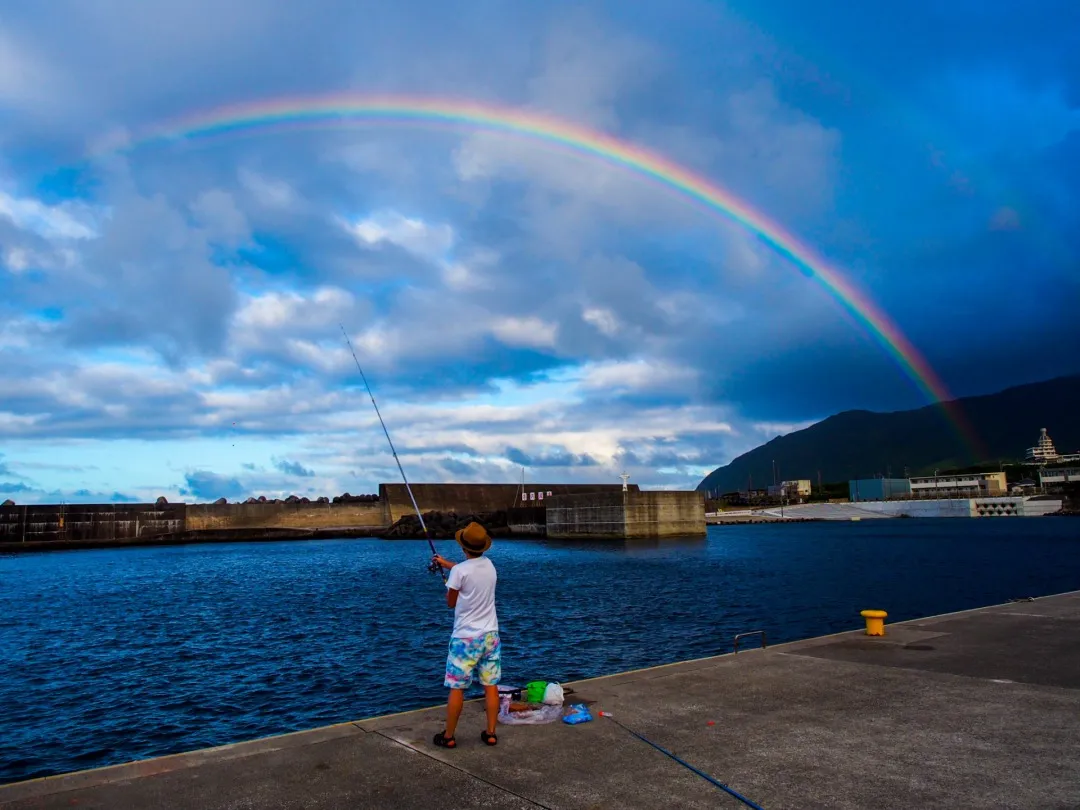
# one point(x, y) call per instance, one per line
point(88, 525)
point(480, 498)
point(582, 511)
point(64, 523)
point(627, 515)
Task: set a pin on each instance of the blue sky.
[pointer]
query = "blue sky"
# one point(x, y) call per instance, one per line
point(169, 316)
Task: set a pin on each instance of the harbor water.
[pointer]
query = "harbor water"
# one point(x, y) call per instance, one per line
point(112, 655)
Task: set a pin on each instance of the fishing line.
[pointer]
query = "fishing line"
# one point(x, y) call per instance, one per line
point(433, 567)
point(685, 764)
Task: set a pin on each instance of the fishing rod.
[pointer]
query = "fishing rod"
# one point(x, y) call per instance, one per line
point(432, 567)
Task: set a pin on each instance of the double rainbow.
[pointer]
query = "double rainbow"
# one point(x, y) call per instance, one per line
point(363, 110)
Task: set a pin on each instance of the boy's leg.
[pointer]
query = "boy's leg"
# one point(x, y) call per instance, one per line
point(460, 663)
point(453, 709)
point(491, 706)
point(489, 670)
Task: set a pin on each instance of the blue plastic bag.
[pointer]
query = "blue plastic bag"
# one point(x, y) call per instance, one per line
point(578, 714)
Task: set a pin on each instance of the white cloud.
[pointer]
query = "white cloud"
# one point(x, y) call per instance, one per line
point(19, 259)
point(66, 221)
point(425, 241)
point(268, 191)
point(603, 319)
point(530, 332)
point(24, 78)
point(774, 429)
point(638, 375)
point(298, 331)
point(218, 214)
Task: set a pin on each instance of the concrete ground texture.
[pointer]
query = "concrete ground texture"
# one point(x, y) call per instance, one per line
point(979, 709)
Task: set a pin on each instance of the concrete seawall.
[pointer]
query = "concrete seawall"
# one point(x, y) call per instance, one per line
point(589, 510)
point(628, 515)
point(476, 498)
point(208, 517)
point(103, 525)
point(58, 523)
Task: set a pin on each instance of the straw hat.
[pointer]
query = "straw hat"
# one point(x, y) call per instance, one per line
point(473, 538)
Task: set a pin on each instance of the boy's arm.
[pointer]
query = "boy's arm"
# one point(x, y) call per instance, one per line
point(453, 582)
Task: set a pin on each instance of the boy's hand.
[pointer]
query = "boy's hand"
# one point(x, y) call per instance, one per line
point(442, 562)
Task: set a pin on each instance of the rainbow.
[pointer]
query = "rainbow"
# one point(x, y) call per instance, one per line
point(364, 110)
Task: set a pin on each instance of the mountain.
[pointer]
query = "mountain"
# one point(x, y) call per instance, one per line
point(863, 444)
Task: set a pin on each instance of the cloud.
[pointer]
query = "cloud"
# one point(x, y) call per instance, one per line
point(603, 319)
point(268, 191)
point(67, 221)
point(174, 301)
point(637, 375)
point(8, 487)
point(528, 331)
point(293, 468)
point(430, 242)
point(552, 457)
point(208, 486)
point(24, 75)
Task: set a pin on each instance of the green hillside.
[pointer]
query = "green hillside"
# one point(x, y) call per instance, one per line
point(864, 444)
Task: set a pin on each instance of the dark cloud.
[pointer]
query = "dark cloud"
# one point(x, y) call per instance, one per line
point(293, 468)
point(209, 486)
point(458, 468)
point(8, 487)
point(550, 457)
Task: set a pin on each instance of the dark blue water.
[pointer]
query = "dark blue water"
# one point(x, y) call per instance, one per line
point(109, 656)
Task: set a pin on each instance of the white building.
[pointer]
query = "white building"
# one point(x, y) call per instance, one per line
point(1059, 475)
point(967, 485)
point(1045, 453)
point(1044, 450)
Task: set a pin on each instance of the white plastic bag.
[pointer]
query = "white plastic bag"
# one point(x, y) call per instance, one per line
point(553, 695)
point(531, 717)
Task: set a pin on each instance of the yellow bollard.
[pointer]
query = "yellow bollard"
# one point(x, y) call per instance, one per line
point(875, 622)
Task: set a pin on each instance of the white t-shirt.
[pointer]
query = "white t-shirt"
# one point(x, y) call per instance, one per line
point(474, 580)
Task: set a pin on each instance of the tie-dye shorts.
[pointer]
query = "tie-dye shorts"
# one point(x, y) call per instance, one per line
point(482, 654)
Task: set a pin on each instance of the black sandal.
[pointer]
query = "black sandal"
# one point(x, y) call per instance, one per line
point(443, 741)
point(490, 739)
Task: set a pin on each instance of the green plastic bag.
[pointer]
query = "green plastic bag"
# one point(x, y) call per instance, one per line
point(534, 691)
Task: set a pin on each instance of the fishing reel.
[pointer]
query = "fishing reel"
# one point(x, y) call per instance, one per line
point(433, 567)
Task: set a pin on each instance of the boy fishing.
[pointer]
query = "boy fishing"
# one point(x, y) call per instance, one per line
point(474, 641)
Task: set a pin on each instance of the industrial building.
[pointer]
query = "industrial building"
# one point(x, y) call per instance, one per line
point(966, 485)
point(1059, 475)
point(792, 490)
point(878, 489)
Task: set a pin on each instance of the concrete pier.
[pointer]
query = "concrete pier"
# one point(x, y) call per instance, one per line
point(979, 709)
point(626, 515)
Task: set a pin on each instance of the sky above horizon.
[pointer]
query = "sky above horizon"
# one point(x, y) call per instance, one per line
point(170, 309)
